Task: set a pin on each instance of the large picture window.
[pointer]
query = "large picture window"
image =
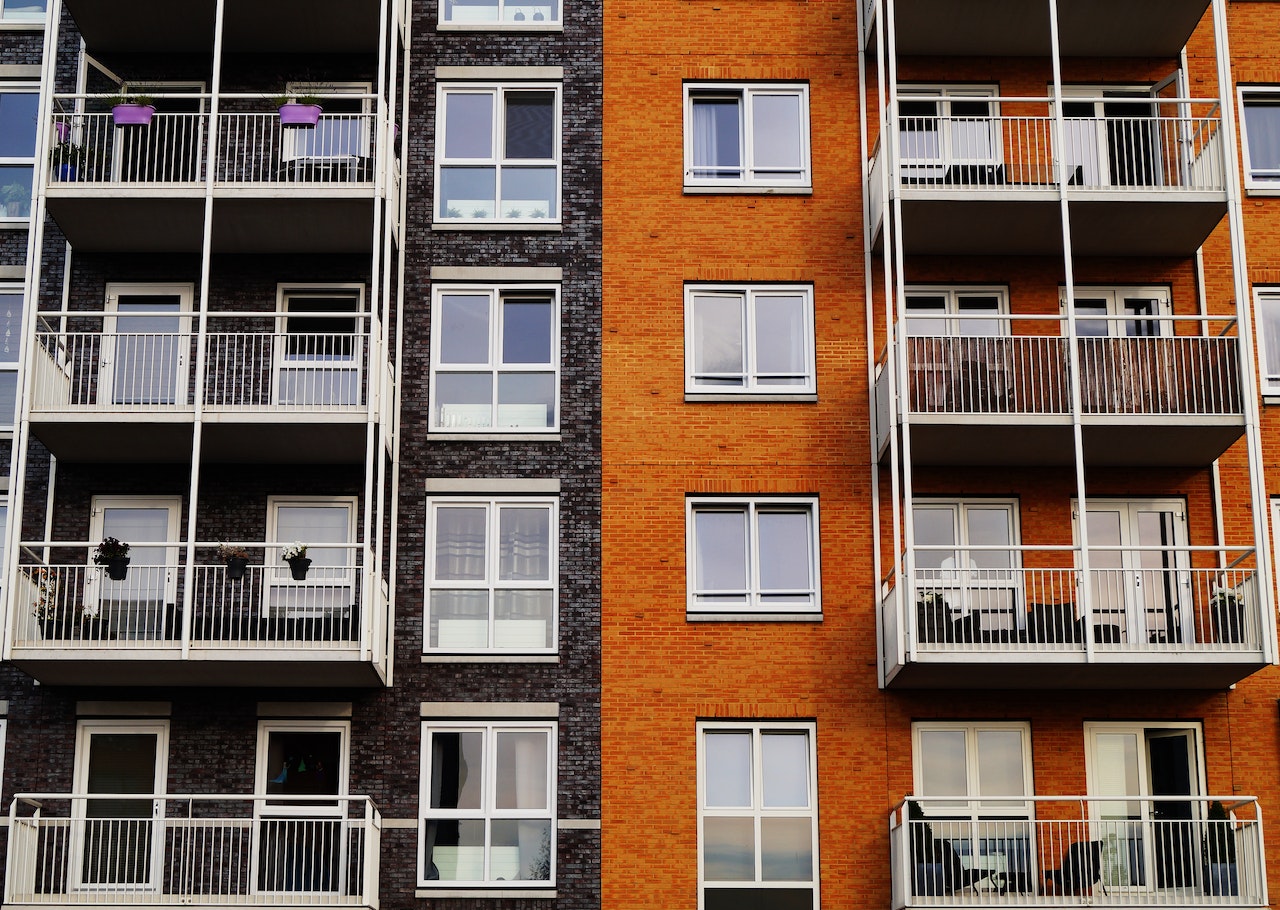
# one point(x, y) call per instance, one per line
point(757, 816)
point(747, 136)
point(19, 109)
point(1267, 313)
point(1260, 106)
point(749, 340)
point(498, 153)
point(488, 804)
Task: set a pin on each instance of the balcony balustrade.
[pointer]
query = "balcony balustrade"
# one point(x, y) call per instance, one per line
point(1018, 609)
point(1122, 850)
point(255, 615)
point(183, 850)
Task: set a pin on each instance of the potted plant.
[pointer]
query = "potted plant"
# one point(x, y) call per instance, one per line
point(1227, 610)
point(1220, 875)
point(933, 617)
point(299, 110)
point(236, 559)
point(68, 160)
point(17, 199)
point(296, 556)
point(114, 554)
point(930, 873)
point(131, 110)
point(45, 607)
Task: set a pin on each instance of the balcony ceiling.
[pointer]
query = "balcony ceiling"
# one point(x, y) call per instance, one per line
point(251, 26)
point(1020, 28)
point(976, 669)
point(116, 666)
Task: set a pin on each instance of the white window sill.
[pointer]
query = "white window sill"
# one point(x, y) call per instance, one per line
point(500, 26)
point(1270, 398)
point(1262, 189)
point(492, 437)
point(753, 617)
point(21, 25)
point(540, 893)
point(543, 226)
point(23, 224)
point(799, 397)
point(491, 658)
point(747, 189)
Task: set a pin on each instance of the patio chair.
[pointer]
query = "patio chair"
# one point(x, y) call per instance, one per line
point(1080, 869)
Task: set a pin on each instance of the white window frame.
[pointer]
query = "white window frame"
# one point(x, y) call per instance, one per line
point(1269, 95)
point(283, 362)
point(750, 177)
point(491, 583)
point(495, 366)
point(98, 587)
point(943, 95)
point(751, 375)
point(970, 806)
point(711, 601)
point(1116, 316)
point(487, 812)
point(952, 313)
point(757, 811)
point(111, 345)
point(523, 17)
point(277, 572)
point(20, 87)
point(1266, 307)
point(968, 589)
point(497, 161)
point(262, 772)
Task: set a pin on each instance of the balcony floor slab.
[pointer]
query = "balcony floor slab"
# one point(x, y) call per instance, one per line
point(977, 668)
point(321, 664)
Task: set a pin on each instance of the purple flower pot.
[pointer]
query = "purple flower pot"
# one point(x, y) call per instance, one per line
point(62, 130)
point(132, 114)
point(299, 114)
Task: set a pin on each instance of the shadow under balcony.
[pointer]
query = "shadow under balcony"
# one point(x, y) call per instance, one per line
point(1127, 850)
point(268, 396)
point(172, 850)
point(225, 625)
point(1015, 619)
point(1156, 400)
point(276, 189)
point(1150, 184)
point(1016, 28)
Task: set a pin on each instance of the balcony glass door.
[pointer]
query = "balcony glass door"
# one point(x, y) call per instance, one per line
point(967, 576)
point(1109, 141)
point(145, 346)
point(120, 844)
point(328, 590)
point(135, 608)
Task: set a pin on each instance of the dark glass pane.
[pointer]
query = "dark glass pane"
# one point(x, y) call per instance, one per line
point(530, 124)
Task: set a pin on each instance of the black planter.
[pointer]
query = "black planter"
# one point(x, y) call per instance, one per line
point(53, 627)
point(95, 628)
point(236, 566)
point(118, 568)
point(299, 566)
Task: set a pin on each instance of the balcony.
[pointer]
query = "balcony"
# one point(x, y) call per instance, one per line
point(1078, 851)
point(180, 850)
point(200, 624)
point(1007, 399)
point(266, 393)
point(1150, 184)
point(1015, 28)
point(276, 188)
point(1151, 615)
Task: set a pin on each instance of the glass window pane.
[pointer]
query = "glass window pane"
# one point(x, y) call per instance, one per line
point(1091, 327)
point(523, 619)
point(968, 305)
point(468, 118)
point(316, 524)
point(728, 769)
point(8, 398)
point(786, 849)
point(470, 10)
point(459, 619)
point(717, 339)
point(934, 527)
point(1262, 130)
point(529, 192)
point(721, 551)
point(18, 112)
point(1269, 317)
point(531, 124)
point(521, 850)
point(464, 400)
point(786, 561)
point(524, 544)
point(460, 543)
point(526, 330)
point(25, 9)
point(303, 762)
point(918, 130)
point(15, 190)
point(785, 768)
point(717, 131)
point(729, 849)
point(920, 318)
point(457, 769)
point(781, 339)
point(526, 400)
point(468, 192)
point(989, 527)
point(776, 139)
point(521, 774)
point(454, 850)
point(464, 328)
point(942, 763)
point(1000, 765)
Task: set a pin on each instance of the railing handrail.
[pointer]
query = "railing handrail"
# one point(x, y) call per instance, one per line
point(908, 94)
point(1004, 548)
point(253, 96)
point(171, 544)
point(1235, 799)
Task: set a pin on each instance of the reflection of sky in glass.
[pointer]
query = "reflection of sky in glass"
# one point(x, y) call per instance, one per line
point(728, 761)
point(468, 191)
point(786, 849)
point(784, 550)
point(468, 122)
point(532, 839)
point(18, 124)
point(776, 131)
point(464, 328)
point(460, 534)
point(988, 527)
point(942, 763)
point(528, 192)
point(24, 9)
point(785, 759)
point(925, 303)
point(780, 343)
point(728, 849)
point(526, 331)
point(1262, 129)
point(526, 389)
point(933, 527)
point(721, 541)
point(1000, 763)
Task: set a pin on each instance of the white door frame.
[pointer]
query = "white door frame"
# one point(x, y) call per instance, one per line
point(106, 366)
point(97, 516)
point(287, 294)
point(151, 87)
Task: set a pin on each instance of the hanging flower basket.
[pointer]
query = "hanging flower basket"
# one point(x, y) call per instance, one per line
point(118, 568)
point(304, 115)
point(298, 567)
point(114, 554)
point(132, 114)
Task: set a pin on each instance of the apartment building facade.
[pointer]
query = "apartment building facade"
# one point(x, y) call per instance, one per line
point(312, 276)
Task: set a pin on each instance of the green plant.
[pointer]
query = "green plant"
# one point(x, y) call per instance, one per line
point(232, 551)
point(46, 585)
point(125, 98)
point(110, 548)
point(1219, 842)
point(71, 153)
point(453, 212)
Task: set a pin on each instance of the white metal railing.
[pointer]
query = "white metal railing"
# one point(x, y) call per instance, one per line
point(66, 605)
point(93, 371)
point(170, 850)
point(1029, 599)
point(254, 148)
point(1076, 851)
point(1161, 373)
point(1152, 149)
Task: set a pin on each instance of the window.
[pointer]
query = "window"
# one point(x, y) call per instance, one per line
point(321, 360)
point(327, 587)
point(757, 556)
point(958, 575)
point(749, 340)
point(504, 13)
point(1124, 312)
point(11, 307)
point(1261, 121)
point(949, 134)
point(747, 136)
point(22, 11)
point(498, 153)
point(19, 110)
point(757, 816)
point(491, 575)
point(1267, 311)
point(952, 312)
point(495, 359)
point(488, 798)
point(343, 133)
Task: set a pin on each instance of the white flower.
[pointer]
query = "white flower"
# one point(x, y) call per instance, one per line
point(295, 550)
